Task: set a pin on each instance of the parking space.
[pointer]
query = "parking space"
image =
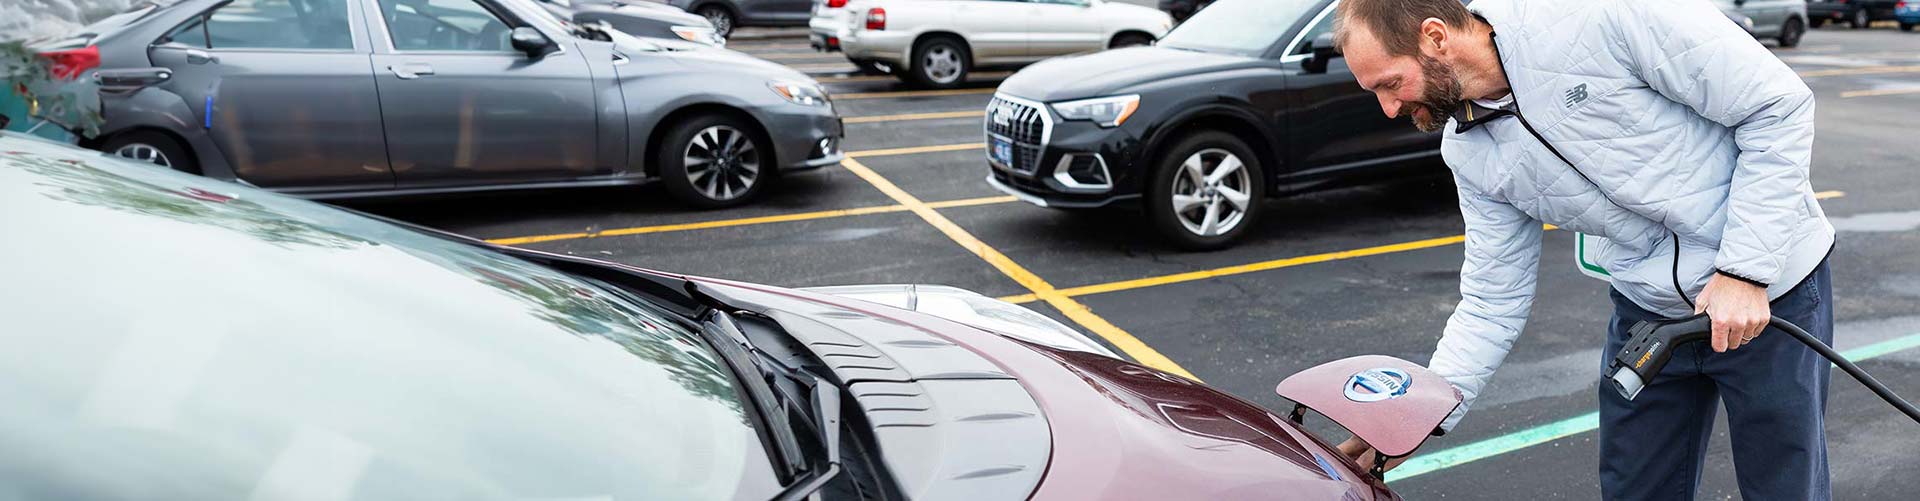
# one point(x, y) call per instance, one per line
point(1367, 270)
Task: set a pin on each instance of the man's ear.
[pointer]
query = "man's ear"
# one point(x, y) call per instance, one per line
point(1434, 37)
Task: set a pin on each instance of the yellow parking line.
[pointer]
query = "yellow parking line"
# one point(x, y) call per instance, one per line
point(1245, 268)
point(1072, 309)
point(1278, 264)
point(1868, 70)
point(914, 150)
point(1880, 92)
point(913, 116)
point(780, 218)
point(723, 223)
point(907, 93)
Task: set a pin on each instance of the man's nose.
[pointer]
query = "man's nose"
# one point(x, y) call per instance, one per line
point(1388, 105)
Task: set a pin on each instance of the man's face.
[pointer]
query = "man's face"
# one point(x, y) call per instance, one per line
point(1419, 86)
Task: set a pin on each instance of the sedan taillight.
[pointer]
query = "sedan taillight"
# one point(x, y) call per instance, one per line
point(877, 19)
point(835, 4)
point(70, 63)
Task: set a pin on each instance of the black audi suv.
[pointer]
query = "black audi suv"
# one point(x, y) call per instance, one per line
point(1245, 100)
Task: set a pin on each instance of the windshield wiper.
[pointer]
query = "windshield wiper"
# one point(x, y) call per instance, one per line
point(776, 401)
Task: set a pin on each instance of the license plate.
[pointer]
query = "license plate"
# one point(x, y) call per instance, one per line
point(1002, 151)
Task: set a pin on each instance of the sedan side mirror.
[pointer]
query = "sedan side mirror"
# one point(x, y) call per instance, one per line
point(531, 41)
point(1323, 52)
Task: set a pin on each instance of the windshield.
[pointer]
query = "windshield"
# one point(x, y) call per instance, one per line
point(324, 355)
point(1243, 27)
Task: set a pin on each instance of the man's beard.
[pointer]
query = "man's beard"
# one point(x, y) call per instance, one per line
point(1440, 99)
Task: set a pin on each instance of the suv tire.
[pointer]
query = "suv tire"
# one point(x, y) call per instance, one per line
point(1191, 200)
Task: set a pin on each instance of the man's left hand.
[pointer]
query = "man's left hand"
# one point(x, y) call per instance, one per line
point(1739, 311)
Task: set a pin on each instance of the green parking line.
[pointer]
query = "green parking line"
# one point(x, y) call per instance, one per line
point(1428, 463)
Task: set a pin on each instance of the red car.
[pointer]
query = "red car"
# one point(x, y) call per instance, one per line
point(176, 337)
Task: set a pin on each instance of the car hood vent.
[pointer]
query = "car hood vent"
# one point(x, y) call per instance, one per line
point(950, 423)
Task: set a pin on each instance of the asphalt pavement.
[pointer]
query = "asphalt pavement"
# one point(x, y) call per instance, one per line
point(1370, 270)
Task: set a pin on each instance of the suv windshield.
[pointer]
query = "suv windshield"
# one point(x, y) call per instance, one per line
point(1243, 27)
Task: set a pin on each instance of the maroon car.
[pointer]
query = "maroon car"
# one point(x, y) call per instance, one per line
point(176, 337)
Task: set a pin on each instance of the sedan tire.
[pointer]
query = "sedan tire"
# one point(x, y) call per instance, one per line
point(152, 147)
point(723, 19)
point(941, 63)
point(714, 161)
point(1791, 32)
point(1859, 19)
point(1206, 191)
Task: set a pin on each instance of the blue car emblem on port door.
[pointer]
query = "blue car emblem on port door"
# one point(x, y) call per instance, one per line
point(1374, 385)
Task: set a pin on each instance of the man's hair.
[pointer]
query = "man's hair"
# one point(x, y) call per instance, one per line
point(1395, 23)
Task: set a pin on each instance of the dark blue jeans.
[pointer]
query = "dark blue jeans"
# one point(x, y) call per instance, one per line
point(1775, 391)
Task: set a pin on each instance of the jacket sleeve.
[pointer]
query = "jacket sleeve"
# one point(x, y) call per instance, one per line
point(1684, 51)
point(1496, 291)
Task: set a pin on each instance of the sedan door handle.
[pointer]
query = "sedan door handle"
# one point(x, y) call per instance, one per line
point(197, 56)
point(410, 71)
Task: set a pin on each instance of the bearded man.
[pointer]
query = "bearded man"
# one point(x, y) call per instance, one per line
point(1676, 136)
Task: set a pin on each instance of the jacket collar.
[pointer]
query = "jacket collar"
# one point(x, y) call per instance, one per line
point(1471, 114)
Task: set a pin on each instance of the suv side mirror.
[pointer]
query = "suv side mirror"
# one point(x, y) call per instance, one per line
point(1323, 52)
point(531, 41)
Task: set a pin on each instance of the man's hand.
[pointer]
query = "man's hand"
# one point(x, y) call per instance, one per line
point(1362, 454)
point(1739, 311)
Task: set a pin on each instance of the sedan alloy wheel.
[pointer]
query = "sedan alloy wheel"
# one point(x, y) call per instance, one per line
point(715, 160)
point(144, 152)
point(722, 162)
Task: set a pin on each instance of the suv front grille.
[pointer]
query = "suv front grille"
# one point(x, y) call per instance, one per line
point(1025, 125)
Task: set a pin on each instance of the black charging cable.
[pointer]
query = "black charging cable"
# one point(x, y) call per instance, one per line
point(1652, 343)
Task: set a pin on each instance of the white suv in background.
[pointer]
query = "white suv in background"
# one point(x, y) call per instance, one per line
point(936, 42)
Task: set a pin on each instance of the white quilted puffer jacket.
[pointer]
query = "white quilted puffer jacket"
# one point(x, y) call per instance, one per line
point(1654, 123)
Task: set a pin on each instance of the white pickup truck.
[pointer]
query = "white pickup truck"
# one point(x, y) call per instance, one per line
point(937, 42)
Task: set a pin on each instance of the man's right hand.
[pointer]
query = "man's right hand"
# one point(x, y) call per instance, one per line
point(1362, 454)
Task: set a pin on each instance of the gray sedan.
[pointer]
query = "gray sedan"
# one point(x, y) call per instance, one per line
point(354, 98)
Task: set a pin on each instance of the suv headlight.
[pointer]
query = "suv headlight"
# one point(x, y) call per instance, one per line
point(1106, 111)
point(807, 94)
point(699, 34)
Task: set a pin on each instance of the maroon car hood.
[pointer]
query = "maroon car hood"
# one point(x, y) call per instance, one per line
point(1125, 431)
